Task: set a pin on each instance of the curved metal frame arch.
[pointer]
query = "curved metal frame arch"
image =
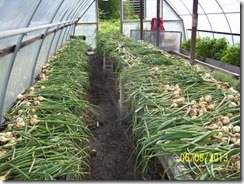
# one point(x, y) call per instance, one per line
point(41, 44)
point(226, 21)
point(75, 15)
point(173, 8)
point(54, 35)
point(207, 19)
point(68, 18)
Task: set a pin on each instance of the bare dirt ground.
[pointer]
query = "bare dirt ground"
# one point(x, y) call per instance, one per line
point(111, 138)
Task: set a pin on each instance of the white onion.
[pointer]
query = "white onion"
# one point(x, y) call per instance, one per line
point(232, 104)
point(230, 127)
point(193, 117)
point(3, 139)
point(225, 128)
point(20, 97)
point(237, 135)
point(201, 99)
point(37, 103)
point(220, 124)
point(20, 123)
point(43, 87)
point(174, 105)
point(8, 134)
point(236, 129)
point(27, 103)
point(203, 104)
point(211, 107)
point(230, 97)
point(40, 98)
point(32, 89)
point(208, 98)
point(224, 141)
point(225, 120)
point(237, 143)
point(233, 139)
point(20, 111)
point(195, 106)
point(33, 110)
point(34, 121)
point(10, 126)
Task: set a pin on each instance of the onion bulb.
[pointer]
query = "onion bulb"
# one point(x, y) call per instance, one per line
point(37, 103)
point(40, 98)
point(32, 89)
point(230, 127)
point(207, 76)
point(236, 129)
point(237, 135)
point(225, 120)
point(20, 111)
point(27, 103)
point(20, 97)
point(174, 105)
point(211, 107)
point(225, 128)
point(33, 110)
point(20, 122)
point(208, 98)
point(34, 121)
point(232, 104)
point(43, 87)
point(233, 139)
point(8, 134)
point(10, 126)
point(230, 97)
point(224, 141)
point(237, 143)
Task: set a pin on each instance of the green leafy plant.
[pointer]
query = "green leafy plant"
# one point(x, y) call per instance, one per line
point(214, 48)
point(186, 45)
point(232, 55)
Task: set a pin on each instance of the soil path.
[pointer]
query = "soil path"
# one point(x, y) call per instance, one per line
point(110, 140)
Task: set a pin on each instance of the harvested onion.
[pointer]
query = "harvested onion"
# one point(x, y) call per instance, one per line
point(236, 129)
point(208, 98)
point(34, 121)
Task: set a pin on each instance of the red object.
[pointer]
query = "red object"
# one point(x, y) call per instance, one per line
point(154, 24)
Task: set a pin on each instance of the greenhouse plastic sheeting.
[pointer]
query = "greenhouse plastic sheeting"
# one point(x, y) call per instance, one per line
point(168, 41)
point(30, 33)
point(87, 25)
point(216, 18)
point(213, 16)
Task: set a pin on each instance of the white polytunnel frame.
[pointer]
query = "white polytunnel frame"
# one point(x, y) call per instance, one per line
point(30, 33)
point(216, 18)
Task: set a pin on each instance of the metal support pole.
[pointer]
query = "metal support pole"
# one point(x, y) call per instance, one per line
point(121, 16)
point(97, 16)
point(141, 20)
point(158, 22)
point(162, 8)
point(193, 32)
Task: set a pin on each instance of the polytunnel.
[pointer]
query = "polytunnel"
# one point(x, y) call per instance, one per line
point(125, 103)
